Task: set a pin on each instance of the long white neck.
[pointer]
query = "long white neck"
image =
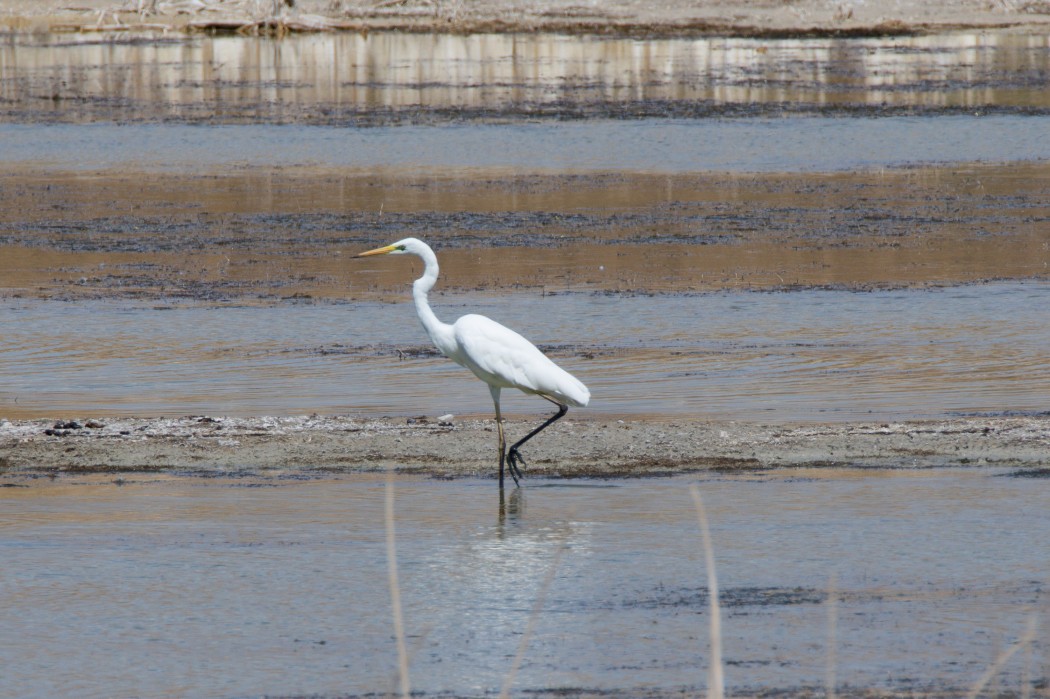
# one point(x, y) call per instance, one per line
point(440, 333)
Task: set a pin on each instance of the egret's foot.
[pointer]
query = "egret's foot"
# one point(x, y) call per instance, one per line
point(516, 465)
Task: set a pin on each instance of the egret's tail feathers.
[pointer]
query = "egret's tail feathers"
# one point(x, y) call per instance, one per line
point(575, 393)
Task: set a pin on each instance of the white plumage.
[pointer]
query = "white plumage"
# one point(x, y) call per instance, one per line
point(499, 356)
point(494, 353)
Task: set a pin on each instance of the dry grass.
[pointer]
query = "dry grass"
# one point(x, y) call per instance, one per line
point(715, 673)
point(395, 589)
point(833, 623)
point(1024, 642)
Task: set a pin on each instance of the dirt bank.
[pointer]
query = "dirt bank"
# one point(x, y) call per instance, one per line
point(315, 446)
point(769, 18)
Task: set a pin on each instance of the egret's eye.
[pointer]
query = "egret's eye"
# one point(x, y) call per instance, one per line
point(401, 248)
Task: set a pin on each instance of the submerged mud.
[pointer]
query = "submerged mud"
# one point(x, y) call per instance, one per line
point(289, 235)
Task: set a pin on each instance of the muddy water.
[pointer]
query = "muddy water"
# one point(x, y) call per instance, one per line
point(774, 297)
point(221, 589)
point(692, 295)
point(805, 355)
point(271, 234)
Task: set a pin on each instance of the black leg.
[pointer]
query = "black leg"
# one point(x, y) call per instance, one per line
point(515, 461)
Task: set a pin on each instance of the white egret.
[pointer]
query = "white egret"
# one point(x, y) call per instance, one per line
point(496, 354)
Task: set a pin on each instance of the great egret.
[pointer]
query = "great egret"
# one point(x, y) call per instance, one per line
point(496, 354)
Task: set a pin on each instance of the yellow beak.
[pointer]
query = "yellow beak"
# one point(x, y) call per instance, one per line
point(378, 251)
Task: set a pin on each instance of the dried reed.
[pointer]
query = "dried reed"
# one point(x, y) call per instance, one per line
point(395, 589)
point(715, 676)
point(1023, 642)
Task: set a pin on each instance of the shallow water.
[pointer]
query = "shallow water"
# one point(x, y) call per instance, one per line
point(221, 589)
point(654, 146)
point(806, 355)
point(793, 144)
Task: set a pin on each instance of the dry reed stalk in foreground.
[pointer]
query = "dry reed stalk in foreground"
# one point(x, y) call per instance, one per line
point(715, 678)
point(1023, 642)
point(395, 589)
point(833, 619)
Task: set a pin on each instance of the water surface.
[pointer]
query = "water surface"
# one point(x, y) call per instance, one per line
point(196, 589)
point(806, 355)
point(536, 102)
point(794, 144)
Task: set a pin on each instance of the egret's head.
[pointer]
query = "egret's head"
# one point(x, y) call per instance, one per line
point(408, 245)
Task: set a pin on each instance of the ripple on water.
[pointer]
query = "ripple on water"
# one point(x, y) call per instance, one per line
point(811, 355)
point(933, 574)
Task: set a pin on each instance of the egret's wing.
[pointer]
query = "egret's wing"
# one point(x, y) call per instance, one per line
point(502, 357)
point(495, 352)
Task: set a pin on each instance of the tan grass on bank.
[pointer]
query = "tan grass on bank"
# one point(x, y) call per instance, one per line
point(769, 18)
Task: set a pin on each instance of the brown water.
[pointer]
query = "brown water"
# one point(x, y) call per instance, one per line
point(273, 232)
point(189, 588)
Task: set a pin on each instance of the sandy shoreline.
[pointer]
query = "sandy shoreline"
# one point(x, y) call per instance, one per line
point(314, 446)
point(844, 18)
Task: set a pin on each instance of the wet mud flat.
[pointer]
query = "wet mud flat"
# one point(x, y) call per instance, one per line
point(287, 235)
point(316, 447)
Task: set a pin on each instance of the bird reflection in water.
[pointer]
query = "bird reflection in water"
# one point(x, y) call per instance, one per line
point(512, 507)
